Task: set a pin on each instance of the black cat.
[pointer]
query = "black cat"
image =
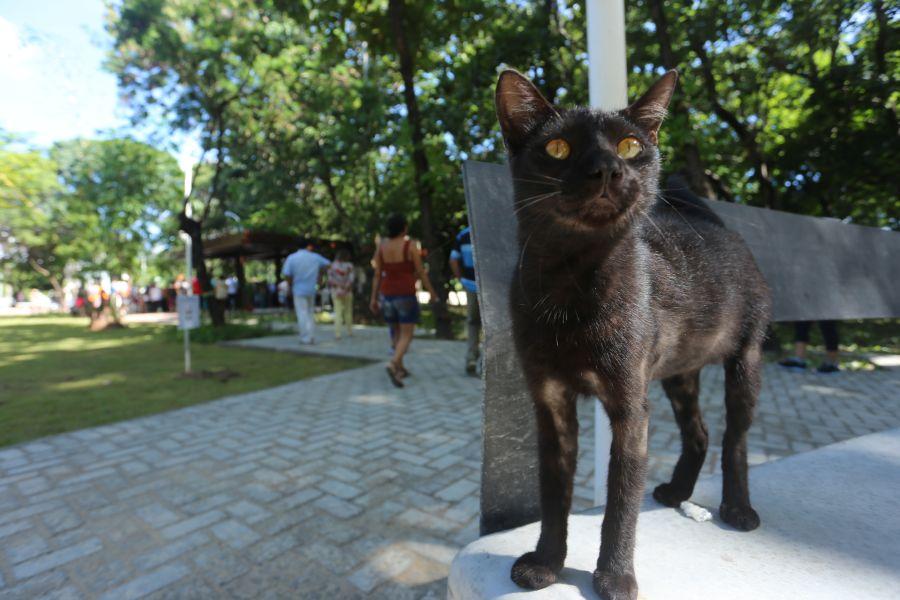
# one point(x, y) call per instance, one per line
point(617, 285)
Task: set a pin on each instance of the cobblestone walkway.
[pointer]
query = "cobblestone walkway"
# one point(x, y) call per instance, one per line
point(335, 487)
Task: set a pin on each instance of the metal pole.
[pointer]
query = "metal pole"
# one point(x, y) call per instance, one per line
point(608, 86)
point(188, 269)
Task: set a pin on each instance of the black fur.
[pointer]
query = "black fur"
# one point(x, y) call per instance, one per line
point(617, 285)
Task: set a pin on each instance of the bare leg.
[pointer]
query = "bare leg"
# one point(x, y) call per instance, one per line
point(338, 316)
point(557, 423)
point(683, 392)
point(403, 340)
point(614, 578)
point(742, 382)
point(348, 314)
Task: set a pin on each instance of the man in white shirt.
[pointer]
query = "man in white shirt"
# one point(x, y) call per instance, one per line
point(231, 285)
point(155, 298)
point(302, 269)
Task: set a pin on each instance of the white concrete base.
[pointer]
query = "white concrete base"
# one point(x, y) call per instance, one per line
point(830, 530)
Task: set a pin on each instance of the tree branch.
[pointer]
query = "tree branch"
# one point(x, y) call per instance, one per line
point(746, 136)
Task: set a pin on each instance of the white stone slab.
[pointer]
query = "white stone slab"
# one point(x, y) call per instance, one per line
point(830, 530)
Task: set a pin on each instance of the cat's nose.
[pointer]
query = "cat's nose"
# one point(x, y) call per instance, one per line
point(604, 167)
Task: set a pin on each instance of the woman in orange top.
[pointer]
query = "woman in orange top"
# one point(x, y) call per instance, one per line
point(398, 264)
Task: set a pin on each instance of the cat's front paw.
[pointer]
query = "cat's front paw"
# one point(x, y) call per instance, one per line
point(611, 586)
point(739, 517)
point(532, 573)
point(669, 495)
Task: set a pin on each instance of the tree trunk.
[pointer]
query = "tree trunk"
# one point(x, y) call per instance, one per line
point(245, 295)
point(325, 177)
point(54, 283)
point(767, 192)
point(193, 229)
point(552, 76)
point(695, 170)
point(880, 50)
point(436, 259)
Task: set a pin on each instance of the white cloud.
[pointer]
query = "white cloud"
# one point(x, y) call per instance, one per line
point(17, 55)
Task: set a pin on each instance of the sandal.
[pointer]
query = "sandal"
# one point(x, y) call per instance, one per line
point(394, 374)
point(402, 372)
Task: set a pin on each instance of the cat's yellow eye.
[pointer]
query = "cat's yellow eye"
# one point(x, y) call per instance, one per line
point(558, 149)
point(629, 147)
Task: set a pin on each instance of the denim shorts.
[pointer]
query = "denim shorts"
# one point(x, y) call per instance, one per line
point(400, 309)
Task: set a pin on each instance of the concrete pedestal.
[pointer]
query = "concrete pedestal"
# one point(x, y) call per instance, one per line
point(830, 530)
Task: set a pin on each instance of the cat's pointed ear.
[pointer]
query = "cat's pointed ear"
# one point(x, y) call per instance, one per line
point(520, 108)
point(649, 110)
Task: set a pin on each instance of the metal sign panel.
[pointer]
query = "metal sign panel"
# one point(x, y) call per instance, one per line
point(820, 268)
point(188, 311)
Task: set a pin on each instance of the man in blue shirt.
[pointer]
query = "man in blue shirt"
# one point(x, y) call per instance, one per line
point(462, 263)
point(302, 270)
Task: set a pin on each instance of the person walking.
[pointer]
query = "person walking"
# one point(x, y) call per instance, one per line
point(232, 286)
point(398, 264)
point(340, 283)
point(220, 290)
point(462, 263)
point(155, 298)
point(283, 293)
point(302, 270)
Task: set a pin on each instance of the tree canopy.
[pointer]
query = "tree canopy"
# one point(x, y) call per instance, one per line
point(321, 117)
point(303, 105)
point(87, 205)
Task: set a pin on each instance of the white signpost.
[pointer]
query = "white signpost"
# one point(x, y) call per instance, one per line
point(608, 86)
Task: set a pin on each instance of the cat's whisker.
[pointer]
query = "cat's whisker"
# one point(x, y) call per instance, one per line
point(652, 222)
point(678, 212)
point(531, 201)
point(520, 201)
point(743, 221)
point(522, 258)
point(543, 299)
point(535, 181)
point(684, 188)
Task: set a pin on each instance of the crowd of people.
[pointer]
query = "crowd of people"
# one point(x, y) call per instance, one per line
point(154, 296)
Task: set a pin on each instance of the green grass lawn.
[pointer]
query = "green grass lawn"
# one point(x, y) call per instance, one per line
point(57, 376)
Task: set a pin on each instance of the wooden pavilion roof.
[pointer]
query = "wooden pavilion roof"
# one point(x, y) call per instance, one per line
point(263, 245)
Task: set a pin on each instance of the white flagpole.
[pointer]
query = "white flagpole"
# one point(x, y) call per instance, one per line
point(608, 85)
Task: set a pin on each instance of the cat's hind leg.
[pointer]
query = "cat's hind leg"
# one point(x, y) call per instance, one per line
point(684, 393)
point(743, 374)
point(555, 409)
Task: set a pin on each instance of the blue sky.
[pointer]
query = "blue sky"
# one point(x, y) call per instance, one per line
point(52, 85)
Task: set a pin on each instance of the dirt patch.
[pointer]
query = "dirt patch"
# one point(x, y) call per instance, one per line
point(223, 375)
